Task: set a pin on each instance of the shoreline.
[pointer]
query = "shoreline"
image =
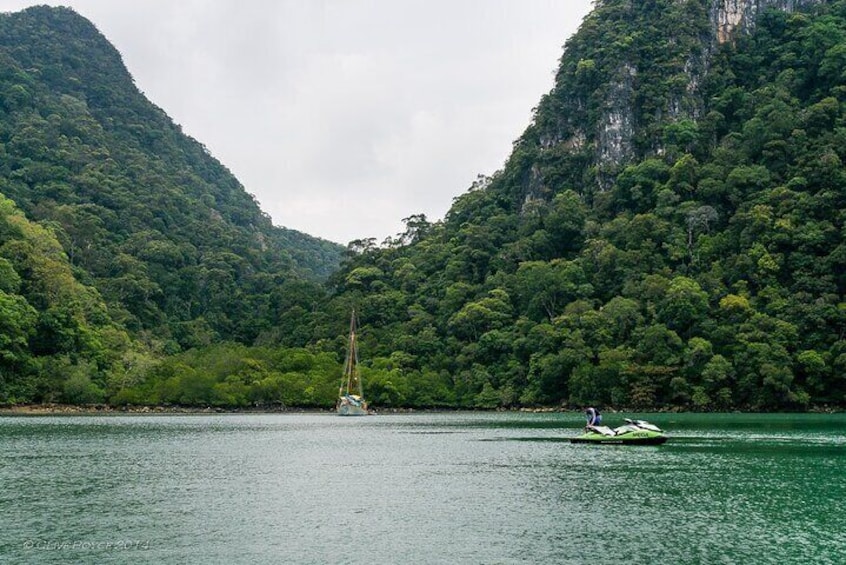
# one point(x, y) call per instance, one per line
point(91, 409)
point(95, 409)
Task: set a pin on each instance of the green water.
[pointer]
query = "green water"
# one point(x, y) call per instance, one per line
point(422, 488)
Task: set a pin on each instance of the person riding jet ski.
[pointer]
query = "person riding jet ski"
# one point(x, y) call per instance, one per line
point(594, 418)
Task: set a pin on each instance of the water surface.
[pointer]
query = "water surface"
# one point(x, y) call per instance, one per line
point(421, 488)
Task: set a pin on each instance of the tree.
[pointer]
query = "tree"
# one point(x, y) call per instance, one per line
point(481, 316)
point(543, 289)
point(684, 306)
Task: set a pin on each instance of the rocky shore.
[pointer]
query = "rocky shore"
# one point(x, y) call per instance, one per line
point(54, 408)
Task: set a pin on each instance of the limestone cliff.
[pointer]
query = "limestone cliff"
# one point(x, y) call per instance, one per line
point(633, 68)
point(731, 16)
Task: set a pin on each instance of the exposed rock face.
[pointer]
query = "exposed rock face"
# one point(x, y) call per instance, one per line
point(609, 103)
point(616, 129)
point(618, 124)
point(536, 191)
point(731, 16)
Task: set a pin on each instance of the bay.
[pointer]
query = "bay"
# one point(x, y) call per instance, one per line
point(419, 488)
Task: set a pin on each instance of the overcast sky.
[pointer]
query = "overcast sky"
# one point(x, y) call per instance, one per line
point(344, 116)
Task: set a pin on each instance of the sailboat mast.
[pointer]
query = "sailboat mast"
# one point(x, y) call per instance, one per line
point(356, 381)
point(351, 382)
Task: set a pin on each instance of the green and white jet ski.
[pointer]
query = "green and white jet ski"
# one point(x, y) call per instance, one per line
point(633, 432)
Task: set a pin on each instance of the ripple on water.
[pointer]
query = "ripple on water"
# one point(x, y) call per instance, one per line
point(486, 488)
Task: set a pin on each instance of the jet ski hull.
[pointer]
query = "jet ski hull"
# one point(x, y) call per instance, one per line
point(604, 440)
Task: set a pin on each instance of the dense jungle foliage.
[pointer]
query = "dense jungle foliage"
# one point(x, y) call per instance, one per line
point(709, 274)
point(178, 252)
point(668, 232)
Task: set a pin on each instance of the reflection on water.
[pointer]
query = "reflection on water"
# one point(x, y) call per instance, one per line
point(421, 488)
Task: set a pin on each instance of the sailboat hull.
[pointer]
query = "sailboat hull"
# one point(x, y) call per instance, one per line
point(351, 410)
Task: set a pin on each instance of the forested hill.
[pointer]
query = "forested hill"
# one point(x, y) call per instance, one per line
point(668, 231)
point(174, 244)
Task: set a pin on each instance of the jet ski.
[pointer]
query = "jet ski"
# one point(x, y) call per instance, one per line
point(633, 432)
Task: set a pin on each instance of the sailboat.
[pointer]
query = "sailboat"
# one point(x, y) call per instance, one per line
point(350, 396)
